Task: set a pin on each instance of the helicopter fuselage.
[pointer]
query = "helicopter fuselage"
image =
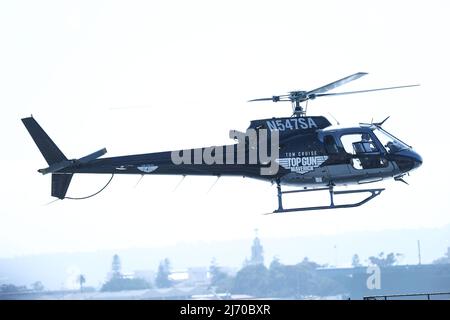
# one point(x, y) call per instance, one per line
point(312, 153)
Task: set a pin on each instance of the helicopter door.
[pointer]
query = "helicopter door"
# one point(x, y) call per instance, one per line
point(364, 152)
point(330, 145)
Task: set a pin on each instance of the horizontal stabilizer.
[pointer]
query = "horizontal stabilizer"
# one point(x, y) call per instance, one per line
point(56, 167)
point(68, 163)
point(92, 156)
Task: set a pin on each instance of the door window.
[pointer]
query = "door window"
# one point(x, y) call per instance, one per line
point(365, 154)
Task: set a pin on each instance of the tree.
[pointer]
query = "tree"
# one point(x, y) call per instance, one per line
point(309, 264)
point(275, 264)
point(277, 278)
point(162, 278)
point(252, 280)
point(382, 261)
point(220, 280)
point(116, 267)
point(287, 281)
point(37, 286)
point(216, 273)
point(81, 280)
point(355, 261)
point(12, 288)
point(444, 259)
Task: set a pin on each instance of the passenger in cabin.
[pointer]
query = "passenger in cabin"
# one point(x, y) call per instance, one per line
point(366, 146)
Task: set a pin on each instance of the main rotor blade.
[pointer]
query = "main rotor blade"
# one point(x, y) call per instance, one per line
point(273, 99)
point(337, 83)
point(261, 99)
point(362, 91)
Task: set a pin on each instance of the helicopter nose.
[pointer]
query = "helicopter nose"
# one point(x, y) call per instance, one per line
point(408, 160)
point(417, 159)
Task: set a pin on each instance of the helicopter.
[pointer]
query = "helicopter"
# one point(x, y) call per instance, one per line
point(301, 151)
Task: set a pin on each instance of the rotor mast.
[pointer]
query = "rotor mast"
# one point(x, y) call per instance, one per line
point(296, 99)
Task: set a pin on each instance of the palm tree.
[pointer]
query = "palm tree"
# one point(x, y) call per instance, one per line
point(81, 281)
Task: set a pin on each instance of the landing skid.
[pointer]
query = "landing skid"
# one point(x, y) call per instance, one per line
point(373, 193)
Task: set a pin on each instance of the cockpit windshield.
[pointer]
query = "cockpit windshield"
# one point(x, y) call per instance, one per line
point(390, 143)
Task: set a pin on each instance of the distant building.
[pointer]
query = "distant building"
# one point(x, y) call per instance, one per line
point(198, 275)
point(257, 256)
point(147, 275)
point(124, 275)
point(178, 276)
point(398, 279)
point(193, 276)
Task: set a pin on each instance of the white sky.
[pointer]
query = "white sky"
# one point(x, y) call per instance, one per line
point(147, 76)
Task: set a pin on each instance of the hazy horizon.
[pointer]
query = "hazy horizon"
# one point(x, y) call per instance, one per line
point(334, 250)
